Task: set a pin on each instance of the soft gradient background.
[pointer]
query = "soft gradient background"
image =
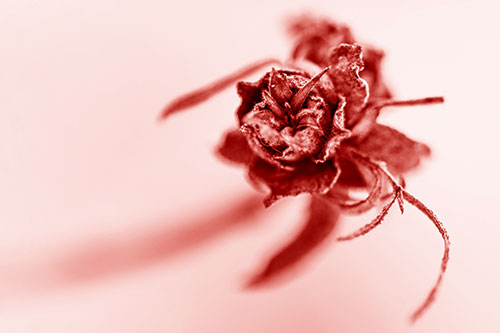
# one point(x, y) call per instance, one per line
point(88, 177)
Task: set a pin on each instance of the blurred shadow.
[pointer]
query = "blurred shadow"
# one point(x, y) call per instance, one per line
point(139, 248)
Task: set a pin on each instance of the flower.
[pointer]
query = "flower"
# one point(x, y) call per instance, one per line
point(295, 129)
point(311, 127)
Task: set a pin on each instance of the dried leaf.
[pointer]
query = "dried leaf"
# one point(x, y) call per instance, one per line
point(399, 152)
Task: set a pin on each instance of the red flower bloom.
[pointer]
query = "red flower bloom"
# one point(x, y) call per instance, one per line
point(317, 133)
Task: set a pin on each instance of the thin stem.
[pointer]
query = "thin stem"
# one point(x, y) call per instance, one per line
point(430, 214)
point(374, 223)
point(204, 93)
point(411, 102)
point(365, 204)
point(446, 254)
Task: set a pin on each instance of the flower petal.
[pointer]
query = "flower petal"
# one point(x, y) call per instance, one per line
point(372, 73)
point(348, 205)
point(306, 176)
point(301, 95)
point(315, 36)
point(337, 134)
point(350, 174)
point(234, 148)
point(399, 152)
point(346, 64)
point(251, 92)
point(322, 219)
point(279, 87)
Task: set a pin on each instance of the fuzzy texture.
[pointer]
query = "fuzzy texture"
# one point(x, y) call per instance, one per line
point(316, 132)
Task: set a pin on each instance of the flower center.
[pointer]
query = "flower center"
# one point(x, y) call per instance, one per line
point(291, 122)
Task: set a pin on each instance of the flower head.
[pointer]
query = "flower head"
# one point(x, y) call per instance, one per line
point(316, 131)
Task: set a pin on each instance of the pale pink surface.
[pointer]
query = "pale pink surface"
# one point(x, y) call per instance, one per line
point(84, 160)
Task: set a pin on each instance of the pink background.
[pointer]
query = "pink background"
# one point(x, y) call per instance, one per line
point(88, 177)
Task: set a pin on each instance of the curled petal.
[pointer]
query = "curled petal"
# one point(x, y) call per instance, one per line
point(234, 148)
point(300, 97)
point(373, 224)
point(305, 177)
point(256, 144)
point(371, 199)
point(370, 177)
point(346, 64)
point(338, 132)
point(315, 36)
point(279, 87)
point(350, 174)
point(320, 223)
point(273, 104)
point(251, 92)
point(372, 73)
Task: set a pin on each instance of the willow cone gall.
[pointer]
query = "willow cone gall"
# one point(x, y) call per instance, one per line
point(311, 127)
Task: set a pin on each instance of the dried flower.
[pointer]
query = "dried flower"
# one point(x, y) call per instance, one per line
point(301, 131)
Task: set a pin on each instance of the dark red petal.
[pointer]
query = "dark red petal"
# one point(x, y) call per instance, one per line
point(279, 87)
point(357, 206)
point(350, 174)
point(315, 36)
point(234, 148)
point(306, 177)
point(320, 223)
point(372, 73)
point(346, 64)
point(399, 152)
point(302, 94)
point(255, 144)
point(274, 106)
point(337, 134)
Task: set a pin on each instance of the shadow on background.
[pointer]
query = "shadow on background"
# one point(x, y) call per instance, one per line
point(131, 251)
point(140, 248)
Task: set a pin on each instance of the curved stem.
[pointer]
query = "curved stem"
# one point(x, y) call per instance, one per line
point(370, 226)
point(400, 191)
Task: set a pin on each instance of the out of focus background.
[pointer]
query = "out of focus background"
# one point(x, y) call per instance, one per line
point(113, 222)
